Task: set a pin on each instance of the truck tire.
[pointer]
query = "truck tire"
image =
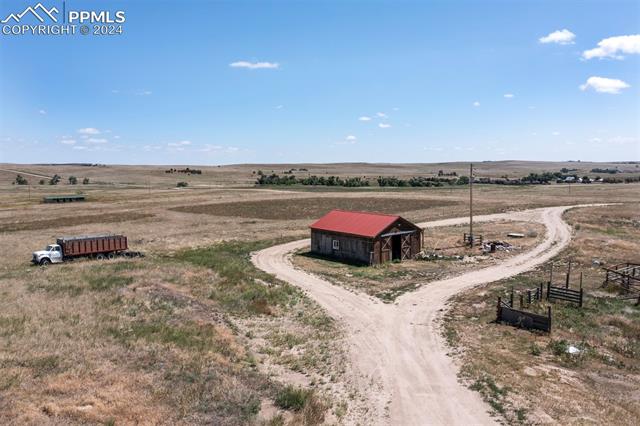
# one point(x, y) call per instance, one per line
point(100, 256)
point(111, 256)
point(45, 262)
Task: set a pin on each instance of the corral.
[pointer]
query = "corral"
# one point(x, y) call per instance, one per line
point(369, 238)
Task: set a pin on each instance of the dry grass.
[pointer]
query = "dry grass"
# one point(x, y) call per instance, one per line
point(528, 377)
point(75, 220)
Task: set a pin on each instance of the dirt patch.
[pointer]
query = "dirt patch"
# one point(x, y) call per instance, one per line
point(73, 221)
point(309, 208)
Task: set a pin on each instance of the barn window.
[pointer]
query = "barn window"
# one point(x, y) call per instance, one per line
point(335, 244)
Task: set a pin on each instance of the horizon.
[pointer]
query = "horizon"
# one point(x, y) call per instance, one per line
point(287, 83)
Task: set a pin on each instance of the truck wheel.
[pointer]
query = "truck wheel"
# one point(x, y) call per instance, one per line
point(100, 256)
point(111, 256)
point(45, 262)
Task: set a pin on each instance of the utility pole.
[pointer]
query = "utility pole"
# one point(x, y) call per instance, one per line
point(471, 237)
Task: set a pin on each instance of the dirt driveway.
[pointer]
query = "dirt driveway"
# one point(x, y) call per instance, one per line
point(398, 355)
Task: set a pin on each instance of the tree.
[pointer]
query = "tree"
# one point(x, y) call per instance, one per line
point(73, 180)
point(41, 182)
point(54, 180)
point(20, 180)
point(85, 181)
point(182, 184)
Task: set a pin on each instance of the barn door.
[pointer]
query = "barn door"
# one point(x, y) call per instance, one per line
point(385, 250)
point(406, 247)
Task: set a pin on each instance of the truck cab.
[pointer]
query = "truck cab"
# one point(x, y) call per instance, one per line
point(51, 254)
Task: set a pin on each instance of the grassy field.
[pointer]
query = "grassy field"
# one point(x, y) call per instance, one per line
point(531, 378)
point(192, 333)
point(311, 208)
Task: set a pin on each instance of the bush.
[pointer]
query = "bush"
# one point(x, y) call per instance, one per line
point(182, 184)
point(20, 180)
point(73, 180)
point(292, 398)
point(559, 347)
point(85, 181)
point(41, 182)
point(54, 180)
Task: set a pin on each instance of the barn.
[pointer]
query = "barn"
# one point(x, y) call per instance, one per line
point(363, 237)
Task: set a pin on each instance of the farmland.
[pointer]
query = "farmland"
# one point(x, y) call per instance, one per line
point(194, 333)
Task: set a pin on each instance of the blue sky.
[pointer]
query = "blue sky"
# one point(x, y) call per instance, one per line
point(431, 76)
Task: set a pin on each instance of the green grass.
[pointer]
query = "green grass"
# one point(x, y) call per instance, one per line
point(241, 287)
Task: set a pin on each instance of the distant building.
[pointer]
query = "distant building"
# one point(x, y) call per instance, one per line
point(361, 237)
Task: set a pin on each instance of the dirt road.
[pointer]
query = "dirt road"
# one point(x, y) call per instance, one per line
point(20, 172)
point(397, 352)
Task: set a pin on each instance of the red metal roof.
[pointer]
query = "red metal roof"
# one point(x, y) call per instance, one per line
point(360, 224)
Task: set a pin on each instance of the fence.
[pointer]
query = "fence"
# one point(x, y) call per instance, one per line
point(626, 276)
point(562, 293)
point(476, 239)
point(523, 319)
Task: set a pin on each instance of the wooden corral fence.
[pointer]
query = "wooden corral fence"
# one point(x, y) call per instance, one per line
point(476, 239)
point(626, 276)
point(566, 294)
point(519, 318)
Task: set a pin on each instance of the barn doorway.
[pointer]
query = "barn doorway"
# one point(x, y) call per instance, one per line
point(396, 247)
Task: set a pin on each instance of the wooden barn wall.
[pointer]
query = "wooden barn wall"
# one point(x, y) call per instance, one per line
point(351, 248)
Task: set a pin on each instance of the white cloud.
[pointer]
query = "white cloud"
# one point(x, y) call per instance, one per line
point(560, 37)
point(509, 95)
point(364, 118)
point(614, 47)
point(555, 133)
point(605, 85)
point(89, 131)
point(96, 141)
point(144, 93)
point(279, 106)
point(350, 138)
point(381, 115)
point(42, 112)
point(68, 141)
point(179, 144)
point(476, 104)
point(80, 147)
point(384, 125)
point(255, 65)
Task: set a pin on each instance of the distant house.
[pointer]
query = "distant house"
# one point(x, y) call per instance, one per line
point(368, 238)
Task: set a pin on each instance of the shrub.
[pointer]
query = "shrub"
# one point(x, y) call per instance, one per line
point(559, 347)
point(182, 184)
point(20, 180)
point(292, 398)
point(73, 180)
point(54, 180)
point(85, 181)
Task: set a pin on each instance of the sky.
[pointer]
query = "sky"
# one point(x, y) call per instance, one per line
point(213, 82)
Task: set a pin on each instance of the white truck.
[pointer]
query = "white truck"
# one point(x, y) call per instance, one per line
point(92, 246)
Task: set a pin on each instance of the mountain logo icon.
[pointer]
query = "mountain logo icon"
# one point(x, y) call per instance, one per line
point(34, 11)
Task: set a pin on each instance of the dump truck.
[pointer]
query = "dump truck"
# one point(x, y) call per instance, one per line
point(88, 246)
